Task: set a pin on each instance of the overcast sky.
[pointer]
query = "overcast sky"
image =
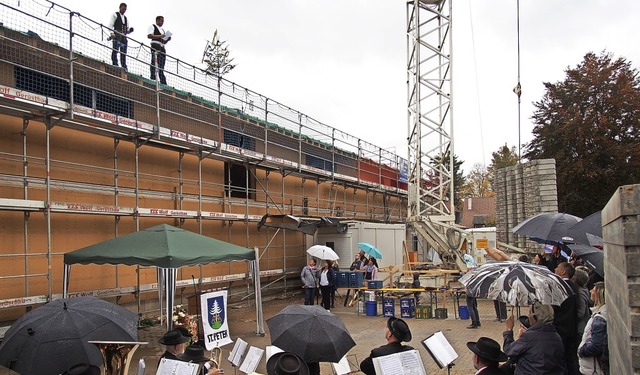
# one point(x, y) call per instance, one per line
point(343, 62)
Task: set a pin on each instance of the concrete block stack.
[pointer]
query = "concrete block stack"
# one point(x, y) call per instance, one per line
point(621, 236)
point(523, 191)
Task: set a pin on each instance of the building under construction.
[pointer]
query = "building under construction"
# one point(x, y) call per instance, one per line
point(89, 152)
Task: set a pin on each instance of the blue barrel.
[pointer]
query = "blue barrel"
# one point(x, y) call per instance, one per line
point(463, 311)
point(371, 308)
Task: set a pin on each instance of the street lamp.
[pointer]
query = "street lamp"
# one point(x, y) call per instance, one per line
point(216, 57)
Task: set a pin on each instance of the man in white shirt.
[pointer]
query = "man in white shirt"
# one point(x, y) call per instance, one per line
point(120, 28)
point(158, 54)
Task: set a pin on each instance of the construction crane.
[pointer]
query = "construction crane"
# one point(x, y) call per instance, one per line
point(431, 211)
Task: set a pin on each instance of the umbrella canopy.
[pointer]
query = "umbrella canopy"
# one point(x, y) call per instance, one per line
point(592, 256)
point(548, 227)
point(311, 332)
point(516, 283)
point(588, 231)
point(162, 246)
point(369, 249)
point(54, 337)
point(322, 252)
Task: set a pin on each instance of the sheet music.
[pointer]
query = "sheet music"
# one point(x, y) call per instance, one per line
point(173, 367)
point(235, 357)
point(440, 349)
point(343, 367)
point(271, 350)
point(251, 361)
point(402, 363)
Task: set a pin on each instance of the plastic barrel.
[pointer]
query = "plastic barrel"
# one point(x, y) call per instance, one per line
point(463, 311)
point(372, 308)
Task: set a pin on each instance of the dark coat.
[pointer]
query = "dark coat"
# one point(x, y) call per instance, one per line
point(566, 316)
point(491, 371)
point(366, 365)
point(539, 350)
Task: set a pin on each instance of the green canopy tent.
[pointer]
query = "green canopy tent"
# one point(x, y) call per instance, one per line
point(167, 248)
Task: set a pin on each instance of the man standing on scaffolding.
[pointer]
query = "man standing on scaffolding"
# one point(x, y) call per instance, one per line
point(158, 54)
point(119, 29)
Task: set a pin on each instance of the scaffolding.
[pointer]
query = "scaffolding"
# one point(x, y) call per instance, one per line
point(89, 151)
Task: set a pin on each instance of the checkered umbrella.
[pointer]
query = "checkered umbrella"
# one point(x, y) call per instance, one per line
point(516, 283)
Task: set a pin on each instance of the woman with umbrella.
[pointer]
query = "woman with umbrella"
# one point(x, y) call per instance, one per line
point(309, 277)
point(539, 349)
point(327, 281)
point(370, 270)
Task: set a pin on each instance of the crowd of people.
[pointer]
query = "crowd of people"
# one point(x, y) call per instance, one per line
point(567, 339)
point(320, 280)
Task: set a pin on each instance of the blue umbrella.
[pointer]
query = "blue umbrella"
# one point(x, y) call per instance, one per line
point(369, 249)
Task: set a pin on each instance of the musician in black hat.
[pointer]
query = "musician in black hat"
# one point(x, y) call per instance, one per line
point(397, 331)
point(195, 354)
point(285, 363)
point(175, 344)
point(487, 355)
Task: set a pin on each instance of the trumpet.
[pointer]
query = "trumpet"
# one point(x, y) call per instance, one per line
point(216, 357)
point(116, 356)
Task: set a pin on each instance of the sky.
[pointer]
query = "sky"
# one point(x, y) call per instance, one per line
point(343, 62)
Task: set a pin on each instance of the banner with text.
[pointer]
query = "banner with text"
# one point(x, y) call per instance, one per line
point(214, 319)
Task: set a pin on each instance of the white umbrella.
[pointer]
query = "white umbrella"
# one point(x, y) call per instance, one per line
point(322, 252)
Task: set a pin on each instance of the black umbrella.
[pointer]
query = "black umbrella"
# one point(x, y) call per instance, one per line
point(591, 256)
point(588, 231)
point(54, 337)
point(516, 283)
point(311, 332)
point(548, 227)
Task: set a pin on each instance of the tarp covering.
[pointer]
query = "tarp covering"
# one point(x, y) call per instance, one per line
point(305, 224)
point(162, 246)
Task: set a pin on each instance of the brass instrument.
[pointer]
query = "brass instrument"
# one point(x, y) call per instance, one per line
point(216, 357)
point(116, 356)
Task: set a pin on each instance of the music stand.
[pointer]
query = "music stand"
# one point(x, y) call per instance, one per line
point(440, 350)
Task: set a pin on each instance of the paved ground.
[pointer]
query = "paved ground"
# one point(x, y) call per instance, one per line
point(367, 332)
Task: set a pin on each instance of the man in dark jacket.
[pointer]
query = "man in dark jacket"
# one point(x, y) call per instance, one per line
point(487, 355)
point(566, 319)
point(397, 331)
point(539, 349)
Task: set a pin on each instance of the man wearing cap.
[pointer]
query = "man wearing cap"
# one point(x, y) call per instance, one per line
point(487, 355)
point(175, 344)
point(397, 331)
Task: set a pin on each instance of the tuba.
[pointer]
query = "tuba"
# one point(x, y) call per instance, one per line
point(216, 357)
point(116, 356)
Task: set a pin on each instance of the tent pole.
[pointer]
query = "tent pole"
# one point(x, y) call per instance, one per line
point(65, 281)
point(170, 285)
point(160, 281)
point(257, 290)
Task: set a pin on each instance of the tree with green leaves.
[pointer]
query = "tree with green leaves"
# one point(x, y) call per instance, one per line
point(504, 157)
point(590, 124)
